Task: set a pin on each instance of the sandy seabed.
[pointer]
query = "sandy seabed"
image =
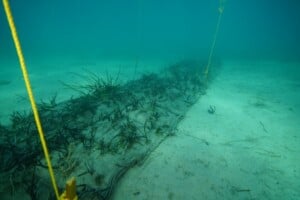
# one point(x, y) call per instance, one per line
point(248, 149)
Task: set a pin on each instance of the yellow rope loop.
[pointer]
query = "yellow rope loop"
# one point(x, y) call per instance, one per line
point(30, 93)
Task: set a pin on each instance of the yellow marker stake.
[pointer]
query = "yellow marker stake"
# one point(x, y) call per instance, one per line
point(29, 91)
point(70, 192)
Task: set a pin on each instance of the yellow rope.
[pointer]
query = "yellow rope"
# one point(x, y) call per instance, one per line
point(29, 91)
point(221, 9)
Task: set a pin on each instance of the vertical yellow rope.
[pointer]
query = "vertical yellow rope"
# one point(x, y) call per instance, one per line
point(29, 91)
point(221, 9)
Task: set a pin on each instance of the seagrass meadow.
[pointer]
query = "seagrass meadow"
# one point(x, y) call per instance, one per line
point(112, 125)
point(149, 99)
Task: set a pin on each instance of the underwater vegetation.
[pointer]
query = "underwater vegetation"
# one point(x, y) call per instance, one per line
point(99, 135)
point(211, 109)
